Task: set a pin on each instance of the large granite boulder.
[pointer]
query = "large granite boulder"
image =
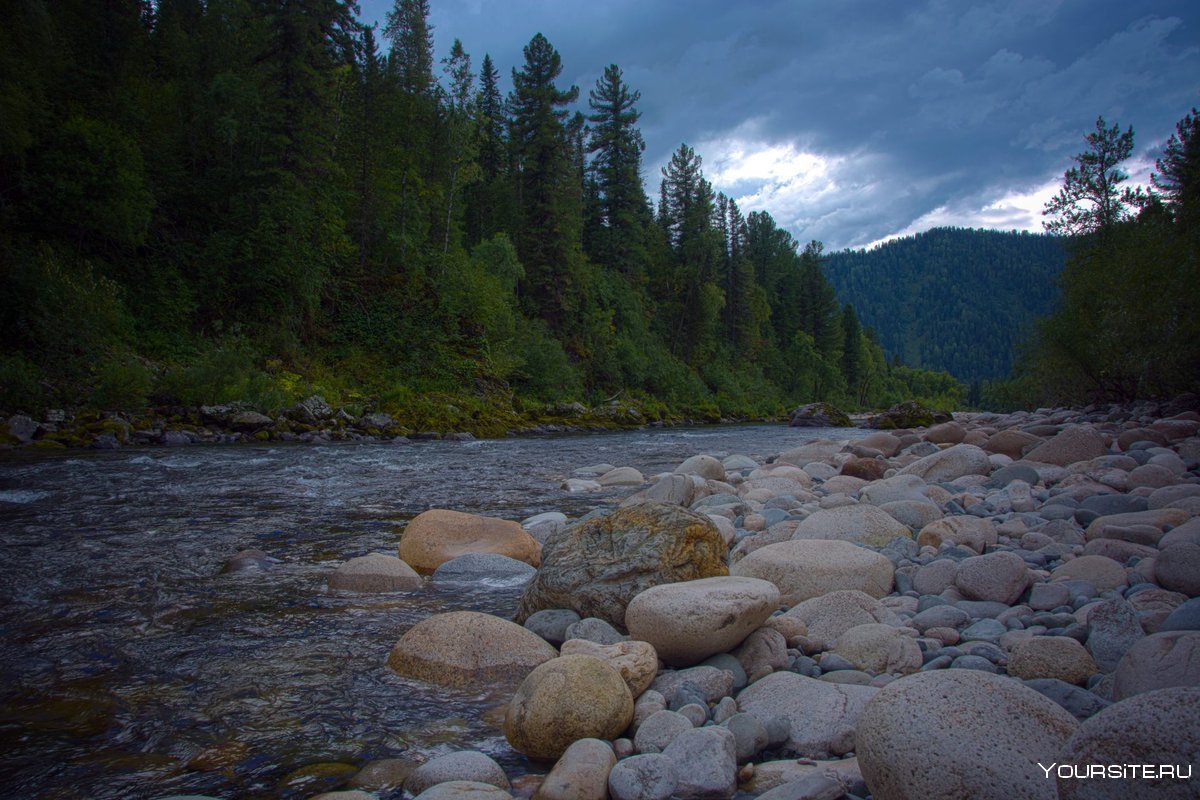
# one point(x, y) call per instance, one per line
point(960, 733)
point(1073, 443)
point(597, 566)
point(1159, 728)
point(438, 535)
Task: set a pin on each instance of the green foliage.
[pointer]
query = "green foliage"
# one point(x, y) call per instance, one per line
point(123, 383)
point(1091, 200)
point(205, 202)
point(1128, 324)
point(20, 384)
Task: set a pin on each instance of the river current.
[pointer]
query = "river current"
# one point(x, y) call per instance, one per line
point(135, 668)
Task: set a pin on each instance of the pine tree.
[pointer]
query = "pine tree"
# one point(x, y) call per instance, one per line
point(1091, 200)
point(617, 146)
point(548, 187)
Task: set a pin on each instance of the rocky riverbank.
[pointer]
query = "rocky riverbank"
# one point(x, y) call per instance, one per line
point(314, 420)
point(962, 610)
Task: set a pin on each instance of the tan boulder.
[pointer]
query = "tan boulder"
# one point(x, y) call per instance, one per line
point(438, 535)
point(1103, 573)
point(565, 700)
point(375, 572)
point(690, 621)
point(960, 733)
point(803, 569)
point(829, 616)
point(581, 773)
point(1073, 443)
point(636, 661)
point(973, 532)
point(879, 648)
point(1058, 657)
point(1012, 443)
point(860, 524)
point(467, 648)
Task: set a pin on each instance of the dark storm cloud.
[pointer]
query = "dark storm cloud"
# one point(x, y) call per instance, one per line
point(854, 121)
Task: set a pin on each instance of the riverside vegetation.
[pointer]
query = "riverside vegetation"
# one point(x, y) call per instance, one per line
point(932, 612)
point(229, 201)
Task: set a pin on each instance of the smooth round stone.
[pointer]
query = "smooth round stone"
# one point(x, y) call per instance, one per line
point(439, 535)
point(1073, 443)
point(1102, 573)
point(595, 630)
point(879, 648)
point(621, 476)
point(949, 464)
point(1177, 568)
point(894, 489)
point(803, 569)
point(821, 716)
point(1156, 728)
point(467, 765)
point(940, 616)
point(659, 730)
point(1058, 657)
point(750, 735)
point(375, 572)
point(973, 662)
point(1014, 472)
point(984, 630)
point(690, 621)
point(552, 623)
point(705, 761)
point(1160, 661)
point(581, 773)
point(643, 777)
point(467, 648)
point(705, 466)
point(915, 514)
point(484, 569)
point(860, 524)
point(829, 616)
point(1184, 618)
point(763, 652)
point(973, 734)
point(1113, 628)
point(998, 577)
point(564, 700)
point(463, 790)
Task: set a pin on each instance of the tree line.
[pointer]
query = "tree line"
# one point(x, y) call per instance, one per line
point(207, 200)
point(1127, 323)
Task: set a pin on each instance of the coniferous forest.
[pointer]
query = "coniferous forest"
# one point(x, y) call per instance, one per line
point(952, 299)
point(203, 202)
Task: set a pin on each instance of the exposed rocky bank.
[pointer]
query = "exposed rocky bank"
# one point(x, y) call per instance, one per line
point(952, 611)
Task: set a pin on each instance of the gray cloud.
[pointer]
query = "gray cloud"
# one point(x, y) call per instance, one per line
point(854, 121)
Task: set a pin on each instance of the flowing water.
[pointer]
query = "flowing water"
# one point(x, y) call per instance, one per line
point(134, 668)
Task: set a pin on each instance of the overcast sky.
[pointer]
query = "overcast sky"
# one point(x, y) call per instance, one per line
point(852, 121)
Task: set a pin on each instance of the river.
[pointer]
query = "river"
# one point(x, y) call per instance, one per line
point(127, 652)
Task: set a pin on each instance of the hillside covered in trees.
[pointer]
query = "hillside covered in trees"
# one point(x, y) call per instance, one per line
point(952, 299)
point(250, 200)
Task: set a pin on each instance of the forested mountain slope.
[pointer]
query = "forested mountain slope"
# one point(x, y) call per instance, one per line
point(951, 299)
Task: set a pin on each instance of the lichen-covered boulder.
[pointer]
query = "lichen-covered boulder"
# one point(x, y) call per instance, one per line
point(565, 700)
point(597, 566)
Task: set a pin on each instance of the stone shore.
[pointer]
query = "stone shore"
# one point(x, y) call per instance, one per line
point(961, 610)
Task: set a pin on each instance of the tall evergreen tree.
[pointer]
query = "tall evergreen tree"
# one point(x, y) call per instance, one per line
point(617, 146)
point(548, 189)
